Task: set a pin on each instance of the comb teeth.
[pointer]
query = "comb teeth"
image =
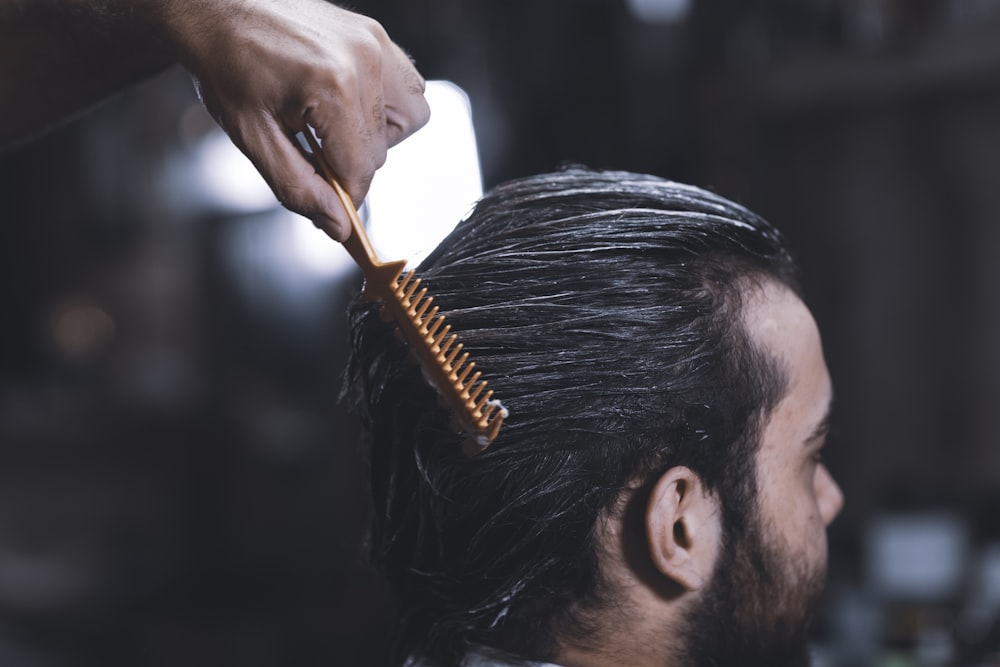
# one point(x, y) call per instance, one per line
point(404, 279)
point(485, 399)
point(475, 377)
point(440, 336)
point(475, 392)
point(460, 377)
point(448, 343)
point(409, 292)
point(434, 324)
point(418, 313)
point(455, 368)
point(475, 410)
point(480, 412)
point(450, 360)
point(417, 299)
point(419, 323)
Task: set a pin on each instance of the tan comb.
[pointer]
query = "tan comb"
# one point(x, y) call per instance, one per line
point(449, 369)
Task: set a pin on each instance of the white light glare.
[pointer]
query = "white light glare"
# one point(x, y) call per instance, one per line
point(660, 11)
point(221, 178)
point(429, 182)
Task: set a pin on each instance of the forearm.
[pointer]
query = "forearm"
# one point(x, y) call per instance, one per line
point(58, 57)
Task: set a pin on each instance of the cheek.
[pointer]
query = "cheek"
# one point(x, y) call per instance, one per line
point(795, 501)
point(801, 512)
point(789, 507)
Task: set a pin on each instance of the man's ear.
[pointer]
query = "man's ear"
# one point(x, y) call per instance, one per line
point(683, 528)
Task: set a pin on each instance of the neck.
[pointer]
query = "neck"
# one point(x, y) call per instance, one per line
point(643, 631)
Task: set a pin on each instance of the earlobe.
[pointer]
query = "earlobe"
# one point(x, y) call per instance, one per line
point(683, 528)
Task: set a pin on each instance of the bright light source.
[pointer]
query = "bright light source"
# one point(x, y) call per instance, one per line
point(659, 11)
point(313, 251)
point(215, 176)
point(429, 182)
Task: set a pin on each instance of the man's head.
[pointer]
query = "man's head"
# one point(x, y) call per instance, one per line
point(645, 492)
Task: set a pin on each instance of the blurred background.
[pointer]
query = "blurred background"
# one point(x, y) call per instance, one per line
point(178, 482)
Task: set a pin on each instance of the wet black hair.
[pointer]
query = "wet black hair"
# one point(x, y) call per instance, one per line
point(605, 310)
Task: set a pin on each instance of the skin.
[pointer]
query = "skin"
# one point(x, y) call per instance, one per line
point(798, 497)
point(264, 69)
point(682, 528)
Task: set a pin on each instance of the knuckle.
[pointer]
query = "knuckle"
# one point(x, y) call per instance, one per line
point(410, 120)
point(420, 116)
point(373, 28)
point(379, 158)
point(339, 79)
point(368, 47)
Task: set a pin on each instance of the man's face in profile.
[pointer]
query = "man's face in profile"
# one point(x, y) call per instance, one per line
point(758, 606)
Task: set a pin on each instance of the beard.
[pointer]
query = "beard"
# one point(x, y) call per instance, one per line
point(759, 606)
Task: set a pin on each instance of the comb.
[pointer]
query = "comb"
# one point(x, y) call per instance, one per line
point(475, 412)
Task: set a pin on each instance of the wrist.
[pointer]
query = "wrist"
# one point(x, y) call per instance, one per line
point(186, 28)
point(163, 19)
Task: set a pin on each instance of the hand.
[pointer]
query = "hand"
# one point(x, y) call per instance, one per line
point(267, 68)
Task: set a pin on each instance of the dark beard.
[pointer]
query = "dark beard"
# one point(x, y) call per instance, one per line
point(758, 608)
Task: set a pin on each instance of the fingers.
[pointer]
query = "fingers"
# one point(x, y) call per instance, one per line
point(406, 107)
point(319, 65)
point(294, 181)
point(351, 126)
point(378, 103)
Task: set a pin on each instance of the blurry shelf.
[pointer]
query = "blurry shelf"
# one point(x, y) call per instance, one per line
point(964, 58)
